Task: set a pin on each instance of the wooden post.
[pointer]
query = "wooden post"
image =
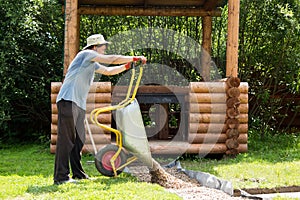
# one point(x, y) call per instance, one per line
point(232, 38)
point(162, 120)
point(72, 21)
point(206, 47)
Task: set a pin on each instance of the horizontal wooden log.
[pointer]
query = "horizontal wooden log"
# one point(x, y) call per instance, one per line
point(158, 147)
point(214, 128)
point(214, 118)
point(208, 6)
point(201, 149)
point(211, 138)
point(208, 97)
point(55, 87)
point(207, 118)
point(242, 148)
point(103, 118)
point(96, 87)
point(214, 108)
point(214, 98)
point(98, 139)
point(208, 107)
point(87, 148)
point(89, 107)
point(146, 11)
point(207, 148)
point(152, 89)
point(208, 87)
point(92, 98)
point(95, 129)
point(215, 87)
point(161, 149)
point(243, 118)
point(207, 127)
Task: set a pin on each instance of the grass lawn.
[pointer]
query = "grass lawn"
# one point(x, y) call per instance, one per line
point(271, 161)
point(26, 172)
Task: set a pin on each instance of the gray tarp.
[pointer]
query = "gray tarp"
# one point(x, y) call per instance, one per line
point(205, 179)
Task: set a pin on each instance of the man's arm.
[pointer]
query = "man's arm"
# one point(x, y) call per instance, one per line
point(117, 59)
point(108, 71)
point(113, 59)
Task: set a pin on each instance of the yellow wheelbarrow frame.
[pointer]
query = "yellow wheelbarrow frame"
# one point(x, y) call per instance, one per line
point(119, 138)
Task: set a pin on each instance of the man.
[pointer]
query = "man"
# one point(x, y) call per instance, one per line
point(71, 104)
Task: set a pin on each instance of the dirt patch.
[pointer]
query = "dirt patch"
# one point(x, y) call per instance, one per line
point(177, 182)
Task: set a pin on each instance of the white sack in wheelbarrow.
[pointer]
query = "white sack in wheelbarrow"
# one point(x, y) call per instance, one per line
point(130, 122)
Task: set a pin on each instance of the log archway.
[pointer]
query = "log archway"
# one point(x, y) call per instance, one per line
point(217, 112)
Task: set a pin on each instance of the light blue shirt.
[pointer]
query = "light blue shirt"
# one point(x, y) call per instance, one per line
point(79, 78)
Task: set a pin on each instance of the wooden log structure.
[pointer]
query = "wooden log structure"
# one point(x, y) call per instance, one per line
point(212, 122)
point(99, 96)
point(212, 128)
point(233, 113)
point(218, 111)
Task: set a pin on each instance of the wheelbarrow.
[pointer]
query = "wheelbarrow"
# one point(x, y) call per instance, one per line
point(131, 139)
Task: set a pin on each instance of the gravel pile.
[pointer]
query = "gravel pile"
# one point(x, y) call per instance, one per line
point(165, 179)
point(177, 182)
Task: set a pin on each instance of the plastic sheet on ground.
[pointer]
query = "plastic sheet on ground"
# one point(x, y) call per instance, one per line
point(204, 178)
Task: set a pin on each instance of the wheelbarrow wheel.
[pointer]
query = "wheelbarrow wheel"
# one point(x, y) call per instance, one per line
point(102, 160)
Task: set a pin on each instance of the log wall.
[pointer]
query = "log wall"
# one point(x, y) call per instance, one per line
point(215, 125)
point(217, 119)
point(99, 96)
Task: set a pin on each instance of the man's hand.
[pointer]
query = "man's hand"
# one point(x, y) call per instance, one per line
point(140, 58)
point(128, 66)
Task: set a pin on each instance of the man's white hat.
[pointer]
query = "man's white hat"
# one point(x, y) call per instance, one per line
point(96, 39)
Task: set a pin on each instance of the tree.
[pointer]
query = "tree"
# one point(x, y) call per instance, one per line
point(269, 57)
point(31, 37)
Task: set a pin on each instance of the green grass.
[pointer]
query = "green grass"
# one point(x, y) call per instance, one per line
point(26, 172)
point(271, 161)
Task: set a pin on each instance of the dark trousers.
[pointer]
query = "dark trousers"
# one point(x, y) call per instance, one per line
point(70, 140)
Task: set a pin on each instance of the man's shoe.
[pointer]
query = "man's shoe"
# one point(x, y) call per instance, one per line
point(65, 181)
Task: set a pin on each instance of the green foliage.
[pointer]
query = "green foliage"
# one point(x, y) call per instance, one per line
point(31, 39)
point(167, 33)
point(269, 58)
